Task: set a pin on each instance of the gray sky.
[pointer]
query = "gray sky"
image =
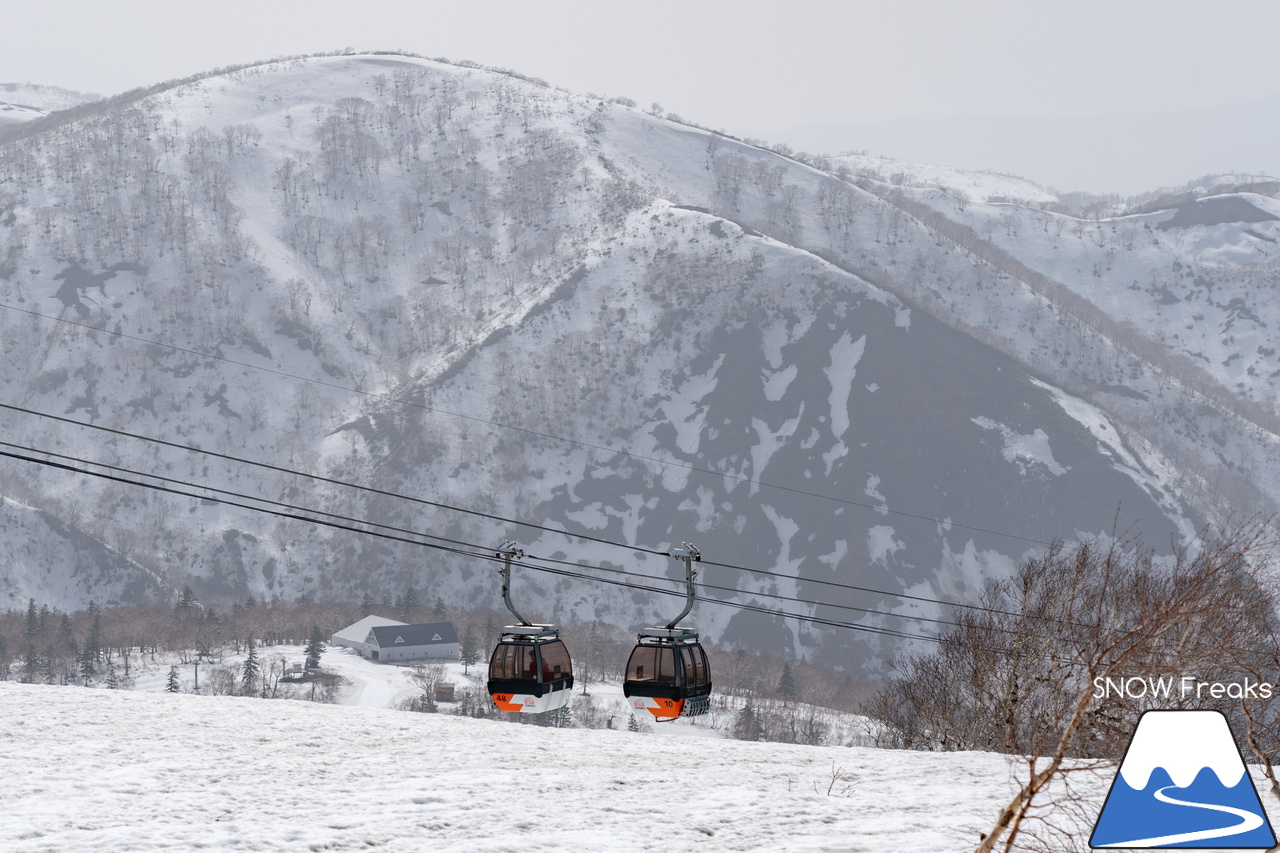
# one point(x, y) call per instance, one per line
point(755, 68)
point(742, 65)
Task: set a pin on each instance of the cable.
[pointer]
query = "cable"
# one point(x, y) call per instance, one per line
point(854, 588)
point(181, 493)
point(481, 551)
point(216, 490)
point(779, 596)
point(486, 555)
point(394, 529)
point(488, 516)
point(479, 555)
point(333, 482)
point(530, 432)
point(818, 620)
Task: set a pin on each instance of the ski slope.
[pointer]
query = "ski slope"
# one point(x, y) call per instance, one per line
point(125, 770)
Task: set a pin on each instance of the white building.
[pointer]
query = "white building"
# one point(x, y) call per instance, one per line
point(355, 636)
point(388, 641)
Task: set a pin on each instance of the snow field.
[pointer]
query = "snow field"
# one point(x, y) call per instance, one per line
point(119, 770)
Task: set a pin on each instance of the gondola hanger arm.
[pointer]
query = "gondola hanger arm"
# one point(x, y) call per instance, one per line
point(507, 552)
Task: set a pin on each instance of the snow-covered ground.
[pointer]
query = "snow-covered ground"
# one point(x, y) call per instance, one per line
point(372, 685)
point(141, 770)
point(128, 770)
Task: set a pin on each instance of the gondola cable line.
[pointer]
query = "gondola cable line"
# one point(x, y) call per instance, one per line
point(326, 480)
point(461, 544)
point(478, 554)
point(449, 507)
point(807, 618)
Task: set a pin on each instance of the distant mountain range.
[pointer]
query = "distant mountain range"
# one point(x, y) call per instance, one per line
point(22, 102)
point(1122, 153)
point(869, 380)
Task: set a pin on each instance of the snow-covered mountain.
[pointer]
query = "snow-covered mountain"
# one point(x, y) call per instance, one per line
point(464, 286)
point(22, 102)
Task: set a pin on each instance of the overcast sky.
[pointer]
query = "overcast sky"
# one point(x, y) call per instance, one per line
point(750, 67)
point(744, 66)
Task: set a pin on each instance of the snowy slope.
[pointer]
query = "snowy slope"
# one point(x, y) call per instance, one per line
point(22, 102)
point(116, 770)
point(973, 184)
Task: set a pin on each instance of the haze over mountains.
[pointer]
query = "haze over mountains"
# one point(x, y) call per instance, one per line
point(360, 266)
point(1121, 153)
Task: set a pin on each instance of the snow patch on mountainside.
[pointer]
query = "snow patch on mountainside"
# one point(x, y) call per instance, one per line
point(845, 354)
point(1024, 450)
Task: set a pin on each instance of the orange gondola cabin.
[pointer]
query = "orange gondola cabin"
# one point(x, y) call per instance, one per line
point(667, 673)
point(530, 671)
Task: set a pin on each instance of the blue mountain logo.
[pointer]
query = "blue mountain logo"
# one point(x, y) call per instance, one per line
point(1182, 783)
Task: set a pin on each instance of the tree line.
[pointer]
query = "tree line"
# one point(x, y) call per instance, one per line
point(105, 646)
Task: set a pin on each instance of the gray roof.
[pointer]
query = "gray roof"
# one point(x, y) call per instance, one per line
point(428, 634)
point(359, 631)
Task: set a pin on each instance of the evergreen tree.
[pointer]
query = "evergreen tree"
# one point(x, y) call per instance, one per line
point(31, 668)
point(173, 686)
point(366, 605)
point(186, 600)
point(746, 725)
point(408, 604)
point(787, 684)
point(315, 647)
point(66, 635)
point(88, 666)
point(633, 725)
point(469, 649)
point(32, 624)
point(93, 646)
point(250, 672)
point(44, 617)
point(438, 613)
point(112, 683)
point(49, 673)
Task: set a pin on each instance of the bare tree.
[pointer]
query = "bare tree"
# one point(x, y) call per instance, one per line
point(1020, 675)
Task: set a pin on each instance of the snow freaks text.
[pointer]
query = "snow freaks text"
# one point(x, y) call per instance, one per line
point(1187, 686)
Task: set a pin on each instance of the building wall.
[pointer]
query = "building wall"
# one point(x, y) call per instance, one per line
point(405, 654)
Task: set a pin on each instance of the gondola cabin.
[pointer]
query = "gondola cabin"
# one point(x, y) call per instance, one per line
point(530, 671)
point(668, 674)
